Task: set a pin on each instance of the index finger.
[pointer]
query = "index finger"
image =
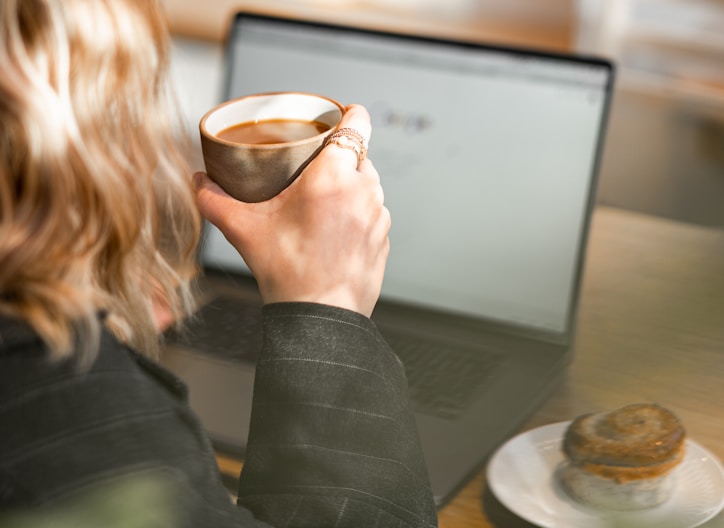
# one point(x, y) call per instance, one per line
point(351, 137)
point(358, 118)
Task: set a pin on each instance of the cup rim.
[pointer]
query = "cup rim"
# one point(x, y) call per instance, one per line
point(208, 135)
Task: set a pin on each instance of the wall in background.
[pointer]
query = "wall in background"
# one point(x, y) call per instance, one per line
point(546, 24)
point(665, 152)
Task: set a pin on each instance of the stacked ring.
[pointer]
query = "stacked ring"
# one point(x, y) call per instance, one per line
point(349, 138)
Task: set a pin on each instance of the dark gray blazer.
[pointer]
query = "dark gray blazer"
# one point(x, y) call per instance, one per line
point(332, 442)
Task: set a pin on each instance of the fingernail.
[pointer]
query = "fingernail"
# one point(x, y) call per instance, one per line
point(197, 180)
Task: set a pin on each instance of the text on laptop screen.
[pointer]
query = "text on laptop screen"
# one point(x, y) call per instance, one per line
point(486, 159)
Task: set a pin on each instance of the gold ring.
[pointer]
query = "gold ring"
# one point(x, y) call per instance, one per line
point(349, 138)
point(351, 132)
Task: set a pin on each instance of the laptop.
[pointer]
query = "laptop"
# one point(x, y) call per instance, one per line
point(488, 157)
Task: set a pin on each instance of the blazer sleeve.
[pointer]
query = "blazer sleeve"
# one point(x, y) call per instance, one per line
point(333, 440)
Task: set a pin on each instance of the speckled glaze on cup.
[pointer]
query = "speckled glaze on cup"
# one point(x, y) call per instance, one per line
point(255, 173)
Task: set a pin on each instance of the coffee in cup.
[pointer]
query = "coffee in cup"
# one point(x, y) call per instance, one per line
point(255, 146)
point(272, 131)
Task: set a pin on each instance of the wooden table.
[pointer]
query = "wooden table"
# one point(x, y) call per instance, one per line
point(650, 329)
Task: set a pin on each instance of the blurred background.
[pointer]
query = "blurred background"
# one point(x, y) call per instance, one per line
point(664, 152)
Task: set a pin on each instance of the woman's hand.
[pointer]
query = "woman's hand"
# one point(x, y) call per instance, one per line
point(324, 239)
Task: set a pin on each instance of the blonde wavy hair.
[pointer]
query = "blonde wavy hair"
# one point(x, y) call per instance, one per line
point(97, 214)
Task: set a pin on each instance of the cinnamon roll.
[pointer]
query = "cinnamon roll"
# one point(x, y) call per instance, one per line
point(623, 459)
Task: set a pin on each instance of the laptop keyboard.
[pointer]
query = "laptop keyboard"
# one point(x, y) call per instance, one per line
point(442, 381)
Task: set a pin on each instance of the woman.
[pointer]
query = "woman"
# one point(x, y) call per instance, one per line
point(98, 231)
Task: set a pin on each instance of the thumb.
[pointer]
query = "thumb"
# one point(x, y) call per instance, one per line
point(230, 215)
point(210, 197)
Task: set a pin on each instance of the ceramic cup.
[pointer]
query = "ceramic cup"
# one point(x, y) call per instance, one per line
point(253, 171)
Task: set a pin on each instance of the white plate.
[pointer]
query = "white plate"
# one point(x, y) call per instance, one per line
point(521, 475)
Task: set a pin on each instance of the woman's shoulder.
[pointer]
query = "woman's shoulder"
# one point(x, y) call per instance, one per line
point(16, 336)
point(27, 367)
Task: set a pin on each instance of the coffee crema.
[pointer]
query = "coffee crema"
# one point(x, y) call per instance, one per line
point(272, 131)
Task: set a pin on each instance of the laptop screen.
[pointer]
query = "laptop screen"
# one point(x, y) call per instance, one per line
point(487, 158)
